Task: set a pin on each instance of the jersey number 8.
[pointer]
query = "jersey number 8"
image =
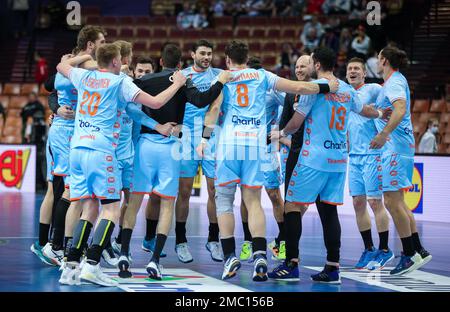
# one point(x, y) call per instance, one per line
point(242, 94)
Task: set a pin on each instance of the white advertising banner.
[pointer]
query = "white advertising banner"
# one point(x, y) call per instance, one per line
point(429, 198)
point(17, 168)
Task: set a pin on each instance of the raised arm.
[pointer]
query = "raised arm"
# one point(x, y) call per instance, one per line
point(158, 101)
point(302, 87)
point(203, 99)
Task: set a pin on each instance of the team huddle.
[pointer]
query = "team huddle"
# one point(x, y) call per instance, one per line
point(121, 131)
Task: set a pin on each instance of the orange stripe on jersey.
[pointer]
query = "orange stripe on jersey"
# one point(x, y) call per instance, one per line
point(301, 203)
point(251, 186)
point(331, 203)
point(163, 196)
point(226, 183)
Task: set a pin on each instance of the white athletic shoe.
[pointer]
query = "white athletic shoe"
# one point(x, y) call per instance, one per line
point(55, 256)
point(230, 268)
point(110, 257)
point(116, 247)
point(124, 265)
point(260, 270)
point(183, 253)
point(154, 270)
point(93, 273)
point(216, 251)
point(70, 274)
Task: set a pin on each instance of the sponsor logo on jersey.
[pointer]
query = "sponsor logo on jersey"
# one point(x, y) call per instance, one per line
point(246, 121)
point(414, 195)
point(328, 144)
point(86, 124)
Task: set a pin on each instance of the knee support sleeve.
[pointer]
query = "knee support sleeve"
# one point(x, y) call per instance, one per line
point(224, 199)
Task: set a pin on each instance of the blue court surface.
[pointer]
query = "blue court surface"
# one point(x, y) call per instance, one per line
point(22, 271)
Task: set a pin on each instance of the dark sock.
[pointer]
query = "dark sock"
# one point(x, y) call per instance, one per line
point(367, 239)
point(68, 242)
point(247, 234)
point(80, 238)
point(416, 241)
point(213, 235)
point(384, 238)
point(126, 238)
point(102, 237)
point(408, 246)
point(281, 233)
point(159, 245)
point(60, 221)
point(228, 247)
point(150, 230)
point(180, 232)
point(43, 233)
point(119, 237)
point(293, 229)
point(259, 246)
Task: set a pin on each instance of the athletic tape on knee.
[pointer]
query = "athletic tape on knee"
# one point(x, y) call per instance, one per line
point(224, 199)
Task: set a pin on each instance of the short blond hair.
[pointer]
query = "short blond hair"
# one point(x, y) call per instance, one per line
point(125, 47)
point(106, 53)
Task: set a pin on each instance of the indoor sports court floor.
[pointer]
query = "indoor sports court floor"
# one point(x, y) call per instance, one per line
point(20, 270)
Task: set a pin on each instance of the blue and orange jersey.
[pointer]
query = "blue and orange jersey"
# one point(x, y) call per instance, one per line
point(401, 140)
point(326, 123)
point(67, 95)
point(102, 97)
point(362, 130)
point(244, 107)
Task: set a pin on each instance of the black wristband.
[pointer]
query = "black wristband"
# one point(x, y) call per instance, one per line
point(324, 88)
point(207, 131)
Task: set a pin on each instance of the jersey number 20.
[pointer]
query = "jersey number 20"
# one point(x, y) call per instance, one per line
point(94, 100)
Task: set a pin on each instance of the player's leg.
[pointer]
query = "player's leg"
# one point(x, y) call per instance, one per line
point(72, 218)
point(213, 244)
point(181, 215)
point(151, 216)
point(246, 247)
point(397, 174)
point(277, 246)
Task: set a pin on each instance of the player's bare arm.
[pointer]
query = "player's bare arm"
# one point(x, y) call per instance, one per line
point(211, 118)
point(395, 119)
point(158, 101)
point(292, 126)
point(305, 88)
point(369, 111)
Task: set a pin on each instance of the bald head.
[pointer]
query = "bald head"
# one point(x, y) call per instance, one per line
point(304, 68)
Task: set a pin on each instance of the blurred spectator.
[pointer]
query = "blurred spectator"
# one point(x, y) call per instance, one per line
point(311, 40)
point(218, 7)
point(32, 113)
point(345, 41)
point(314, 7)
point(282, 8)
point(185, 18)
point(201, 19)
point(20, 10)
point(288, 57)
point(255, 7)
point(361, 43)
point(330, 39)
point(428, 142)
point(372, 75)
point(298, 6)
point(312, 24)
point(336, 6)
point(358, 11)
point(41, 71)
point(216, 61)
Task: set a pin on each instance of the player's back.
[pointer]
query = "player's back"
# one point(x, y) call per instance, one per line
point(361, 129)
point(67, 95)
point(244, 107)
point(100, 105)
point(326, 124)
point(401, 140)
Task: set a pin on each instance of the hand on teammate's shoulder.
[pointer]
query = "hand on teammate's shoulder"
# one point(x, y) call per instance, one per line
point(334, 85)
point(225, 76)
point(179, 79)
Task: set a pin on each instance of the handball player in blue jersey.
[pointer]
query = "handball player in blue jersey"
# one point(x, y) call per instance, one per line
point(365, 172)
point(395, 138)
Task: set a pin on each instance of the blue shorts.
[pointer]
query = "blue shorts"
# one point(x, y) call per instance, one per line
point(307, 183)
point(191, 160)
point(237, 164)
point(397, 172)
point(365, 176)
point(94, 174)
point(49, 160)
point(126, 172)
point(272, 176)
point(59, 140)
point(156, 170)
